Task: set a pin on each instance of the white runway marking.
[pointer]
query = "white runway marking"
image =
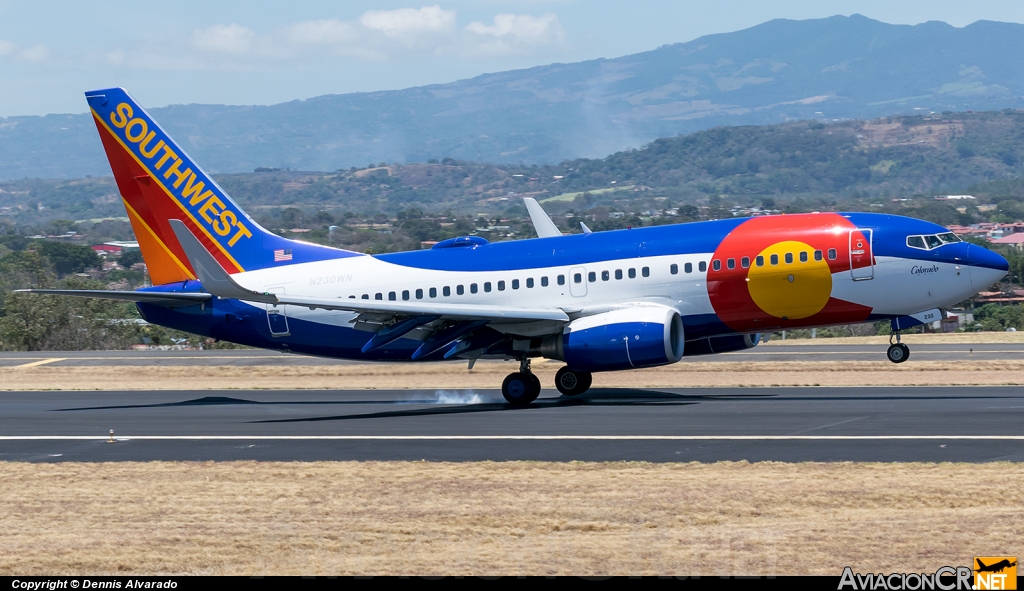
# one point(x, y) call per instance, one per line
point(514, 437)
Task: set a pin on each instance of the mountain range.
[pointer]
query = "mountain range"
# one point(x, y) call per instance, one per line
point(781, 70)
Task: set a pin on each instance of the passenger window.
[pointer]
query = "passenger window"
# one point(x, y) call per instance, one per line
point(501, 286)
point(605, 276)
point(577, 278)
point(832, 254)
point(688, 268)
point(561, 280)
point(702, 266)
point(646, 271)
point(592, 276)
point(459, 290)
point(352, 297)
point(716, 265)
point(529, 282)
point(544, 281)
point(433, 292)
point(366, 296)
point(419, 294)
point(515, 284)
point(618, 273)
point(759, 261)
point(731, 263)
point(392, 296)
point(447, 291)
point(472, 288)
point(378, 296)
point(933, 241)
point(817, 255)
point(405, 294)
point(789, 258)
point(632, 273)
point(774, 259)
point(745, 262)
point(803, 257)
point(673, 269)
point(487, 286)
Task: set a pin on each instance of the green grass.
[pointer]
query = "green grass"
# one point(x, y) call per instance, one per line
point(571, 196)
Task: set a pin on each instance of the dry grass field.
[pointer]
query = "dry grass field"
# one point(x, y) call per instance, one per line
point(514, 518)
point(875, 372)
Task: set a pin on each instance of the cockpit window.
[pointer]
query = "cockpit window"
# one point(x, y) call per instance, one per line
point(916, 242)
point(932, 241)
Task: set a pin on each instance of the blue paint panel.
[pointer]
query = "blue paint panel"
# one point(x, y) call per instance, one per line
point(890, 240)
point(167, 162)
point(615, 346)
point(576, 249)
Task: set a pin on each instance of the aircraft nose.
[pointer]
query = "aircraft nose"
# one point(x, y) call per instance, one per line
point(986, 267)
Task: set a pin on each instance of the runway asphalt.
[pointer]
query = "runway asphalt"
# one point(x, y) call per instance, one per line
point(772, 352)
point(930, 424)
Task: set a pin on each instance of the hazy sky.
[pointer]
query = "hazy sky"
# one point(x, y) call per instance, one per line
point(264, 52)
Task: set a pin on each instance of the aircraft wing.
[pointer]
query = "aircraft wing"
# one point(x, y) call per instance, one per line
point(218, 282)
point(171, 299)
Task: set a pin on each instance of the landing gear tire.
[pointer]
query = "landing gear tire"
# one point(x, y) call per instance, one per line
point(520, 388)
point(898, 353)
point(570, 382)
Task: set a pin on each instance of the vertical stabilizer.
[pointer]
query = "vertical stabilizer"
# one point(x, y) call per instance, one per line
point(159, 182)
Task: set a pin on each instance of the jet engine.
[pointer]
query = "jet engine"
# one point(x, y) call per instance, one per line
point(640, 336)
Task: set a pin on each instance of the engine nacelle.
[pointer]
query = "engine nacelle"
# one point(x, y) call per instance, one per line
point(641, 336)
point(722, 344)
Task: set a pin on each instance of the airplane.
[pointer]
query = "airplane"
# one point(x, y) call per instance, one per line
point(597, 301)
point(994, 568)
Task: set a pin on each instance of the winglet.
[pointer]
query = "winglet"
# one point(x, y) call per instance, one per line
point(585, 229)
point(210, 272)
point(541, 222)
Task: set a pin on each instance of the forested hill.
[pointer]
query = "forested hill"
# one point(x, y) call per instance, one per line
point(844, 165)
point(782, 70)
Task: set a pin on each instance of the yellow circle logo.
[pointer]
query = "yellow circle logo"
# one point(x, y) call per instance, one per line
point(790, 284)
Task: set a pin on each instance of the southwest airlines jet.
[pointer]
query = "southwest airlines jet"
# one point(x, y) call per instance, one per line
point(598, 301)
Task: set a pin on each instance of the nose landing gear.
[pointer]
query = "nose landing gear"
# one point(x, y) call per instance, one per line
point(898, 352)
point(521, 388)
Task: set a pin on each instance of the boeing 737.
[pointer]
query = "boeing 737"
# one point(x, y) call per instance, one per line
point(598, 301)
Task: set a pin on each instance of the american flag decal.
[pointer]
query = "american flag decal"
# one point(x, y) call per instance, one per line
point(282, 255)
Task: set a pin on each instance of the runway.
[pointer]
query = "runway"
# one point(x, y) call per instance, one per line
point(930, 424)
point(824, 351)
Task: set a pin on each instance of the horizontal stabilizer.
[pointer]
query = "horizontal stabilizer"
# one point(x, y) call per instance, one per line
point(209, 272)
point(171, 299)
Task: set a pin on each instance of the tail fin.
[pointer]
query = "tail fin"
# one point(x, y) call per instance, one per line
point(159, 182)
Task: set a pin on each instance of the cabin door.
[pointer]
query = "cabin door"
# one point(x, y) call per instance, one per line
point(578, 282)
point(862, 259)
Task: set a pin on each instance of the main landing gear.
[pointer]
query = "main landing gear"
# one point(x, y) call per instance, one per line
point(898, 352)
point(523, 387)
point(570, 382)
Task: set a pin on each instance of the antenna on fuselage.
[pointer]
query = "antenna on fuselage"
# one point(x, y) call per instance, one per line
point(541, 222)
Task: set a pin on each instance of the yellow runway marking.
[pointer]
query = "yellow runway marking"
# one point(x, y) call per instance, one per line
point(40, 362)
